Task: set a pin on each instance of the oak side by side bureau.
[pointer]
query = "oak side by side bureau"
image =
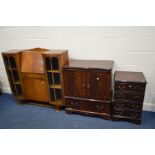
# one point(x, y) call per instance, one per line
point(88, 87)
point(36, 74)
point(129, 91)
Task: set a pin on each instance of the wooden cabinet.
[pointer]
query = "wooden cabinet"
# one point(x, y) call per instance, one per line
point(129, 91)
point(88, 86)
point(31, 78)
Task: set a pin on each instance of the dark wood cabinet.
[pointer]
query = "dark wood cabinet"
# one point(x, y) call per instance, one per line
point(129, 91)
point(88, 87)
point(36, 74)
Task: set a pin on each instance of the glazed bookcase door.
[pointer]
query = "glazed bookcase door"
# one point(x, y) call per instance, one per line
point(99, 85)
point(75, 83)
point(53, 74)
point(12, 70)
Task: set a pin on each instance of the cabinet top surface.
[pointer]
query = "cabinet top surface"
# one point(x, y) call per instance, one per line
point(44, 51)
point(124, 76)
point(90, 64)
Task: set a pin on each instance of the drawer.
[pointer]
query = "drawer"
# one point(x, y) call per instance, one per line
point(128, 105)
point(129, 96)
point(133, 87)
point(127, 114)
point(90, 106)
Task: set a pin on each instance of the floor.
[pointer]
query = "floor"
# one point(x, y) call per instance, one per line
point(26, 116)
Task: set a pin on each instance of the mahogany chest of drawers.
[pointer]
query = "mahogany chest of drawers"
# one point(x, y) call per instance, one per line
point(129, 91)
point(88, 87)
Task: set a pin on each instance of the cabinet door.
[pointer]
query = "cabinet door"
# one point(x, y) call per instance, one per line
point(35, 89)
point(74, 83)
point(99, 85)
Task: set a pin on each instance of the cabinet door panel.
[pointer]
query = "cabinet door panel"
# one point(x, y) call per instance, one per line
point(35, 89)
point(74, 81)
point(99, 85)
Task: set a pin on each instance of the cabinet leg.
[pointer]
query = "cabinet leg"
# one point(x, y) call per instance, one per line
point(58, 108)
point(107, 117)
point(137, 122)
point(21, 102)
point(68, 112)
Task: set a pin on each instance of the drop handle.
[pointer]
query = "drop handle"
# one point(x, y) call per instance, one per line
point(88, 85)
point(74, 103)
point(83, 85)
point(99, 107)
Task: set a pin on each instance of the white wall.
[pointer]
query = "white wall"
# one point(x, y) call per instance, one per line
point(132, 48)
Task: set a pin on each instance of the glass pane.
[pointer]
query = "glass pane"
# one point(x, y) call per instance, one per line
point(15, 75)
point(48, 65)
point(13, 89)
point(56, 78)
point(6, 60)
point(49, 75)
point(58, 93)
point(18, 89)
point(12, 62)
point(10, 75)
point(55, 63)
point(52, 94)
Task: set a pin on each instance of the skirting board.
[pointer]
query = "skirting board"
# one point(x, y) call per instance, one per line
point(147, 106)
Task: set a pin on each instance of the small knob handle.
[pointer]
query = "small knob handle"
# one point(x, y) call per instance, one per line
point(100, 107)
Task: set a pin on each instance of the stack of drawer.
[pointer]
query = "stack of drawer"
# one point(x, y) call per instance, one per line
point(129, 91)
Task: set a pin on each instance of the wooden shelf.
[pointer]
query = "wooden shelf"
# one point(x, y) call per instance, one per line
point(10, 68)
point(53, 71)
point(55, 86)
point(17, 82)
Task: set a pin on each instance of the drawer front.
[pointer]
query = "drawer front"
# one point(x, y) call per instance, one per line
point(127, 114)
point(90, 106)
point(134, 87)
point(129, 96)
point(128, 105)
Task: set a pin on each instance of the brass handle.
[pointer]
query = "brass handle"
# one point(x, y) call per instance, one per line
point(100, 107)
point(83, 85)
point(88, 85)
point(74, 103)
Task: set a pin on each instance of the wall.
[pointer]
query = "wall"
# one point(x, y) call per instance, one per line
point(132, 48)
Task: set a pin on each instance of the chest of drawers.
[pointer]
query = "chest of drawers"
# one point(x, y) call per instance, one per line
point(87, 86)
point(129, 91)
